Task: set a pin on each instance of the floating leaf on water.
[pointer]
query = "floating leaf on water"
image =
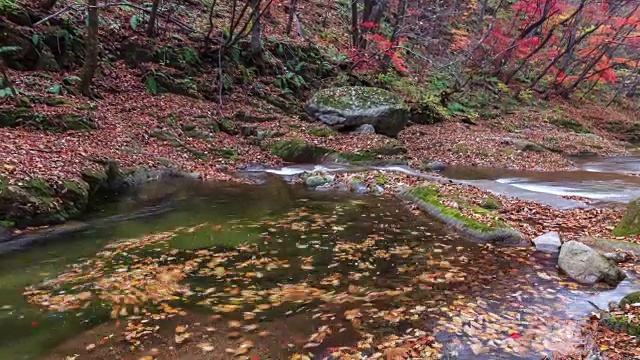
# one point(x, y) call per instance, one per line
point(234, 324)
point(180, 338)
point(181, 329)
point(206, 347)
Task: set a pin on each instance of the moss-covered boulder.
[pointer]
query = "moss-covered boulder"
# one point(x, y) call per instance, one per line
point(630, 224)
point(297, 151)
point(347, 108)
point(428, 110)
point(40, 202)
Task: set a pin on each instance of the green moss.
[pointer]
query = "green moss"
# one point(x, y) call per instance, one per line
point(630, 223)
point(226, 153)
point(633, 298)
point(491, 203)
point(621, 324)
point(7, 224)
point(297, 151)
point(358, 157)
point(321, 131)
point(431, 196)
point(569, 124)
point(39, 188)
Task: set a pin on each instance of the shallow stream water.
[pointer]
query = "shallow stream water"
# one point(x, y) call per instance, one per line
point(312, 256)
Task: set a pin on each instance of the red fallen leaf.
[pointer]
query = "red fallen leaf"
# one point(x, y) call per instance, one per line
point(255, 357)
point(515, 336)
point(34, 324)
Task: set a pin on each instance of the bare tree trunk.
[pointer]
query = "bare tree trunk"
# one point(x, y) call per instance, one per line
point(354, 24)
point(483, 11)
point(153, 18)
point(48, 4)
point(91, 58)
point(255, 46)
point(292, 14)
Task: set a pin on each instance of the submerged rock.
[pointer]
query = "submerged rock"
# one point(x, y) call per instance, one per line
point(348, 108)
point(630, 223)
point(548, 242)
point(586, 266)
point(318, 180)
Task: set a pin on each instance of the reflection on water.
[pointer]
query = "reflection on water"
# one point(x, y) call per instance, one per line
point(615, 179)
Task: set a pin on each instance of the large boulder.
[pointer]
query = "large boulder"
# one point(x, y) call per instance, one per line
point(348, 108)
point(630, 224)
point(586, 266)
point(548, 242)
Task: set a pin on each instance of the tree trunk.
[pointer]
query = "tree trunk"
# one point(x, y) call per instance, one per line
point(91, 59)
point(354, 24)
point(292, 13)
point(255, 46)
point(153, 18)
point(48, 4)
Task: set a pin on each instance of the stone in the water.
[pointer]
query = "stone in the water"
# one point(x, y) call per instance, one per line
point(318, 180)
point(357, 186)
point(365, 129)
point(630, 223)
point(586, 266)
point(633, 298)
point(434, 166)
point(548, 242)
point(347, 108)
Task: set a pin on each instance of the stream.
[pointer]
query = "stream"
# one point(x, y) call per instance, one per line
point(401, 275)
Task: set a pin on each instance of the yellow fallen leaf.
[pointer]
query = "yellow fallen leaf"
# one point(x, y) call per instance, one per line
point(180, 329)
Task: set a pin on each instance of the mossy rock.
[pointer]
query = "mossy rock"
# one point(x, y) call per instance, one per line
point(13, 117)
point(427, 198)
point(25, 56)
point(630, 223)
point(569, 124)
point(22, 117)
point(621, 324)
point(135, 53)
point(183, 58)
point(428, 111)
point(297, 151)
point(347, 108)
point(524, 145)
point(175, 84)
point(633, 298)
point(41, 202)
point(65, 43)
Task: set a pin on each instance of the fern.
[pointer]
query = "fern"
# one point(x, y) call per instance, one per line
point(9, 49)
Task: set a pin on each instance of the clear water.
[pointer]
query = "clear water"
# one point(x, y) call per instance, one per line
point(468, 296)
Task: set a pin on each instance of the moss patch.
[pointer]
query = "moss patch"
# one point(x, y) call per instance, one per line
point(630, 224)
point(297, 151)
point(429, 199)
point(570, 124)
